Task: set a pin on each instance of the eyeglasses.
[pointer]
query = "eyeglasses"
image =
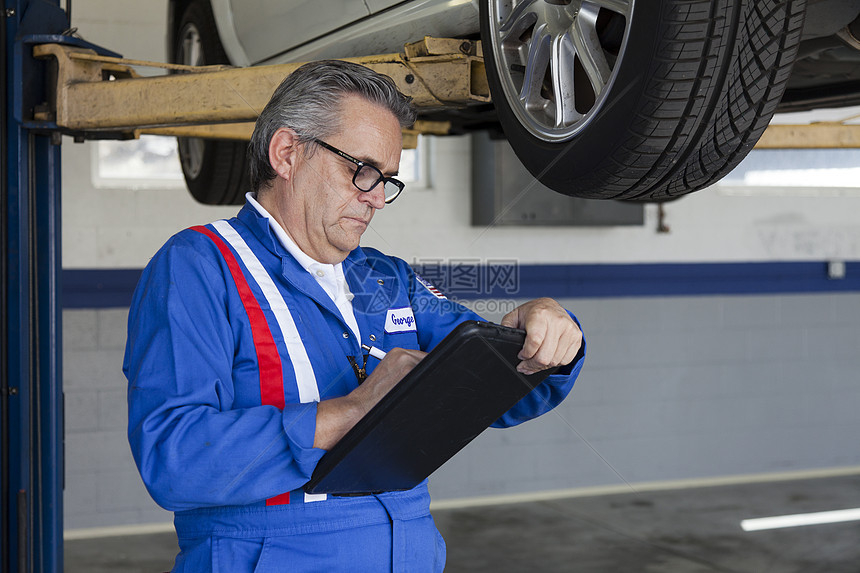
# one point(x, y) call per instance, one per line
point(366, 176)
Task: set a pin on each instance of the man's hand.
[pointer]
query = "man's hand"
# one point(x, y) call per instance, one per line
point(552, 337)
point(390, 370)
point(337, 416)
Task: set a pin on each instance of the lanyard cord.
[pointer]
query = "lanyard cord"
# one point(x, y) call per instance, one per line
point(360, 372)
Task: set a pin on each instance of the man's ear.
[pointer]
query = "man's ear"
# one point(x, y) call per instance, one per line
point(283, 152)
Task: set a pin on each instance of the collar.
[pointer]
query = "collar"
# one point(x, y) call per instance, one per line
point(270, 233)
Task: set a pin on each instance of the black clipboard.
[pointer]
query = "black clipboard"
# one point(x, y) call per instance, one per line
point(465, 384)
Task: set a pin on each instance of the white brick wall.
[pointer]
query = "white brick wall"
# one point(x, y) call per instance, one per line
point(676, 396)
point(102, 484)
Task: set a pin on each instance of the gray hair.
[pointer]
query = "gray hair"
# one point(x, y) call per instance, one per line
point(308, 102)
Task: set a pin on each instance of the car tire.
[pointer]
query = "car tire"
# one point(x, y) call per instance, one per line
point(677, 92)
point(216, 171)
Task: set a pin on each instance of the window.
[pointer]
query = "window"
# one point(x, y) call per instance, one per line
point(796, 172)
point(149, 162)
point(413, 165)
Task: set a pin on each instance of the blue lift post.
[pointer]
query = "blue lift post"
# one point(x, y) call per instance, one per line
point(31, 403)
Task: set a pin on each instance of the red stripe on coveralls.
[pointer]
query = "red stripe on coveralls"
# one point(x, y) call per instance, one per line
point(268, 358)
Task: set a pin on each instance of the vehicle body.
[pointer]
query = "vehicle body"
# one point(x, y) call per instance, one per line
point(584, 90)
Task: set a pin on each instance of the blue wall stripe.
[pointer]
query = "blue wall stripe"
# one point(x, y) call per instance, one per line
point(99, 288)
point(588, 281)
point(113, 288)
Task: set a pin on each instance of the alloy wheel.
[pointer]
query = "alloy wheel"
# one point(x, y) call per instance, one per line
point(556, 59)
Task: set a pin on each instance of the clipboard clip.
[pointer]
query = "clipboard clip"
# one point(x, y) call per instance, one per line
point(360, 372)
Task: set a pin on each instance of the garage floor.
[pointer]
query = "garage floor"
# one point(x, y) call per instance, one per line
point(678, 531)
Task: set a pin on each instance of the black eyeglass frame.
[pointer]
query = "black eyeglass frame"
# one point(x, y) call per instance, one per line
point(359, 166)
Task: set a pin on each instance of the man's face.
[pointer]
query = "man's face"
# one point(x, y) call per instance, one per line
point(325, 213)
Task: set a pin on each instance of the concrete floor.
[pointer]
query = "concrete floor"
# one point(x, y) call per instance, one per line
point(677, 531)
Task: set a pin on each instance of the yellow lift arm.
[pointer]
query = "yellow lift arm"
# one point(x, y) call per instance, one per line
point(823, 135)
point(101, 94)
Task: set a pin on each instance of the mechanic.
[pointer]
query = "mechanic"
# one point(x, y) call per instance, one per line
point(243, 335)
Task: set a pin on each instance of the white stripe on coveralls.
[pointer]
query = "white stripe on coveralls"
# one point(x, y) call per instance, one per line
point(305, 378)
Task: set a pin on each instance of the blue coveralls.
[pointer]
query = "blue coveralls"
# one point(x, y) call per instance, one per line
point(211, 440)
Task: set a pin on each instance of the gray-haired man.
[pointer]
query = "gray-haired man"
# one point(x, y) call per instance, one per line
point(243, 335)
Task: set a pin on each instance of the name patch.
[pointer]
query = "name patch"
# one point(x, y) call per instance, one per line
point(399, 320)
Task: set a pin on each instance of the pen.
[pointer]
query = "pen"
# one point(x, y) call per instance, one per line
point(374, 351)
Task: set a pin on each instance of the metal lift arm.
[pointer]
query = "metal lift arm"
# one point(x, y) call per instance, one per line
point(103, 95)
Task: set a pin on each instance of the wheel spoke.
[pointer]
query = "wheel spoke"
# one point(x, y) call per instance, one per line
point(535, 69)
point(196, 54)
point(562, 66)
point(191, 51)
point(515, 18)
point(590, 52)
point(620, 6)
point(517, 23)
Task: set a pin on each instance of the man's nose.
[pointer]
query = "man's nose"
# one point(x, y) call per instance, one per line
point(375, 197)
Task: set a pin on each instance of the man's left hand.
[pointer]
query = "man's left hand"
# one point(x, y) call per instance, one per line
point(552, 337)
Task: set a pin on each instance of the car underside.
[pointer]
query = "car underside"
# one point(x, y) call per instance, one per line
point(603, 99)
